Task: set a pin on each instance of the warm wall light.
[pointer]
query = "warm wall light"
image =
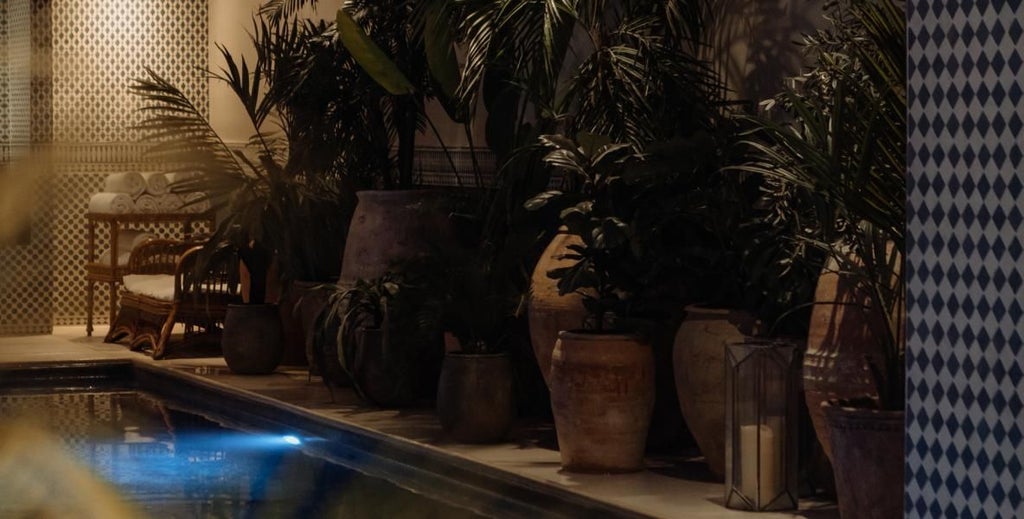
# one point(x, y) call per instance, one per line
point(761, 425)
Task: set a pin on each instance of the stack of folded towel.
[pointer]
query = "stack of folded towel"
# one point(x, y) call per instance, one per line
point(148, 192)
point(127, 239)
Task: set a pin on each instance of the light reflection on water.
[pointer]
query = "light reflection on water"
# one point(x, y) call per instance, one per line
point(171, 463)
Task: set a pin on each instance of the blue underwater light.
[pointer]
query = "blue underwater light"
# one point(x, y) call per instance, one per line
point(291, 440)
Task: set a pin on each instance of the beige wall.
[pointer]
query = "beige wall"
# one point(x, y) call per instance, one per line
point(230, 25)
point(752, 42)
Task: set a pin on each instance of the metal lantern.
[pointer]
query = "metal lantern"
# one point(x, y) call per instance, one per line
point(762, 383)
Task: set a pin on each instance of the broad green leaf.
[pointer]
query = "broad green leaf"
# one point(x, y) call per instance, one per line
point(541, 200)
point(370, 57)
point(611, 233)
point(439, 47)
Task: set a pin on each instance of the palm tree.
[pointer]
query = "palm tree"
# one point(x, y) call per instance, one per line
point(312, 145)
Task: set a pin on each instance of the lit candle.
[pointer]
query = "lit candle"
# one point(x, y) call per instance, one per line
point(759, 445)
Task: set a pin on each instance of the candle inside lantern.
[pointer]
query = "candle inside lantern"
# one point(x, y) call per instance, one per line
point(761, 455)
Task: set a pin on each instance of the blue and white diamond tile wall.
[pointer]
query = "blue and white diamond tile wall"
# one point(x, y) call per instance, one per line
point(965, 260)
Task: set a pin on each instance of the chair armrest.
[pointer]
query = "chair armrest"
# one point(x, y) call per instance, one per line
point(156, 256)
point(201, 273)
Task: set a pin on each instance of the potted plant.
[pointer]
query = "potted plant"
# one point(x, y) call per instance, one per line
point(844, 147)
point(388, 336)
point(270, 189)
point(481, 301)
point(602, 375)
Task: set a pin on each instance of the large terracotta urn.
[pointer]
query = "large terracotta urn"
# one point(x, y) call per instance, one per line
point(602, 398)
point(548, 312)
point(698, 360)
point(389, 227)
point(843, 331)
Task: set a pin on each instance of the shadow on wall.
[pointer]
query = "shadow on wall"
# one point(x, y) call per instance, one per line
point(753, 44)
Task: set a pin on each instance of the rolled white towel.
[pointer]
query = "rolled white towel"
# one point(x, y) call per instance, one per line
point(127, 240)
point(170, 203)
point(122, 259)
point(111, 203)
point(196, 203)
point(156, 182)
point(179, 176)
point(132, 184)
point(147, 204)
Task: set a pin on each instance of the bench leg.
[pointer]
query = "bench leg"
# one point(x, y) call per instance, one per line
point(165, 335)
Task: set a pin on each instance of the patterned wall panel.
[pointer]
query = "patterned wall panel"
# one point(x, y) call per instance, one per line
point(26, 299)
point(5, 135)
point(100, 45)
point(965, 414)
point(19, 71)
point(71, 199)
point(74, 103)
point(26, 277)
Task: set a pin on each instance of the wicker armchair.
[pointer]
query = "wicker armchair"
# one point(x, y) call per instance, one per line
point(162, 286)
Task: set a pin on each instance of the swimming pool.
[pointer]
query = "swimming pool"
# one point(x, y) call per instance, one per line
point(179, 446)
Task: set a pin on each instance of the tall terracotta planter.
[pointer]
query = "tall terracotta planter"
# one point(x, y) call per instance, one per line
point(698, 360)
point(602, 397)
point(548, 312)
point(390, 227)
point(475, 398)
point(842, 333)
point(867, 459)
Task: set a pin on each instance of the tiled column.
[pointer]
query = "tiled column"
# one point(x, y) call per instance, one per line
point(965, 259)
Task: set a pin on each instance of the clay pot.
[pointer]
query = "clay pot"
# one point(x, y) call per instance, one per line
point(390, 227)
point(292, 326)
point(310, 300)
point(698, 360)
point(842, 333)
point(867, 459)
point(252, 341)
point(549, 313)
point(602, 397)
point(383, 374)
point(474, 397)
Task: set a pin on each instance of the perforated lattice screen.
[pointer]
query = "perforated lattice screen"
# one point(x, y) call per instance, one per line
point(26, 298)
point(100, 45)
point(78, 59)
point(71, 200)
point(19, 72)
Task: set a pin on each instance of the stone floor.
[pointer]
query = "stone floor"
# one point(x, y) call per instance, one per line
point(663, 490)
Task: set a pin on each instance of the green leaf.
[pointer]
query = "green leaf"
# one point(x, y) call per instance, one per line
point(439, 47)
point(541, 200)
point(611, 233)
point(591, 142)
point(370, 57)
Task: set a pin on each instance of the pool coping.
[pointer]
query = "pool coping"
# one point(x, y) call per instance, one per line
point(420, 467)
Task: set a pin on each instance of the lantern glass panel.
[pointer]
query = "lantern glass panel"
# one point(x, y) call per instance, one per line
point(761, 405)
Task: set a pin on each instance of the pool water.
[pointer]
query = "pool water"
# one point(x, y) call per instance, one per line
point(168, 462)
